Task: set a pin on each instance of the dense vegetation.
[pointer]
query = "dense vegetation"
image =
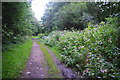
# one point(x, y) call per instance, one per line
point(61, 16)
point(92, 51)
point(18, 23)
point(86, 36)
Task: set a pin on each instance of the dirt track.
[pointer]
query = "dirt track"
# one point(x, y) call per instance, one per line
point(36, 66)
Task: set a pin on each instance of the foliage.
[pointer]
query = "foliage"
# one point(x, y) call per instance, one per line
point(66, 14)
point(17, 23)
point(102, 10)
point(72, 15)
point(14, 60)
point(37, 27)
point(61, 16)
point(47, 19)
point(92, 51)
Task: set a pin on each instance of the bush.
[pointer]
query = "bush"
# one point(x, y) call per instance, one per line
point(92, 51)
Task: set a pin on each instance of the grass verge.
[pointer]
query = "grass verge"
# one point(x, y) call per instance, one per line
point(56, 51)
point(53, 72)
point(15, 59)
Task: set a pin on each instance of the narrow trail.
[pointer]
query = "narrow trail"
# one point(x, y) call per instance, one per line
point(35, 67)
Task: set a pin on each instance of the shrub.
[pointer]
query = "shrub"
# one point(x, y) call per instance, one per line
point(92, 51)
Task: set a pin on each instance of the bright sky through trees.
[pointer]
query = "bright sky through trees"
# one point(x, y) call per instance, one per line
point(38, 6)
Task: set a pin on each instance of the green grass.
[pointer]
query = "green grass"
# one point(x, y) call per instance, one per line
point(53, 72)
point(34, 36)
point(14, 60)
point(56, 51)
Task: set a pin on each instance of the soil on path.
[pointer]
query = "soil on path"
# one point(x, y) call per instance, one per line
point(35, 67)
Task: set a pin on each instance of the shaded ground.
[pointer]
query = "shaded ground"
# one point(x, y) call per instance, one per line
point(35, 67)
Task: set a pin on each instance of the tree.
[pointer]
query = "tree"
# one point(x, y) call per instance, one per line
point(71, 15)
point(102, 10)
point(52, 8)
point(60, 16)
point(17, 21)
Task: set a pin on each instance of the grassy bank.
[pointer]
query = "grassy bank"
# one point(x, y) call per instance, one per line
point(53, 71)
point(15, 59)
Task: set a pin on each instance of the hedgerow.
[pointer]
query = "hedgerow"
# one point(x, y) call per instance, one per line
point(92, 51)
